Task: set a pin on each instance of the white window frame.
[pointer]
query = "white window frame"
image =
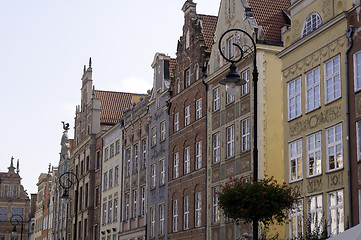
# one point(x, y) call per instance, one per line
point(134, 208)
point(198, 209)
point(333, 92)
point(162, 131)
point(187, 78)
point(294, 98)
point(216, 99)
point(230, 141)
point(215, 209)
point(115, 212)
point(230, 98)
point(358, 136)
point(187, 115)
point(314, 154)
point(187, 160)
point(104, 217)
point(295, 160)
point(216, 142)
point(152, 176)
point(312, 85)
point(126, 212)
point(198, 108)
point(230, 47)
point(136, 158)
point(144, 151)
point(152, 222)
point(296, 219)
point(198, 155)
point(175, 215)
point(246, 136)
point(161, 219)
point(186, 213)
point(245, 87)
point(336, 208)
point(357, 71)
point(334, 147)
point(175, 165)
point(154, 136)
point(142, 206)
point(116, 175)
point(315, 213)
point(127, 155)
point(176, 122)
point(161, 172)
point(110, 208)
point(311, 23)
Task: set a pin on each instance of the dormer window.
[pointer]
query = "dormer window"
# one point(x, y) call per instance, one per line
point(311, 23)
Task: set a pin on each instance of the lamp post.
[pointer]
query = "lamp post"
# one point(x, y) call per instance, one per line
point(232, 82)
point(66, 181)
point(15, 220)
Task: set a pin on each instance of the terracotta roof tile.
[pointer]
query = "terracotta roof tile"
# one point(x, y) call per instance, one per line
point(172, 63)
point(209, 24)
point(269, 13)
point(112, 105)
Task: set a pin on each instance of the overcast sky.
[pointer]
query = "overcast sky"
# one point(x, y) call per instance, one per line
point(43, 48)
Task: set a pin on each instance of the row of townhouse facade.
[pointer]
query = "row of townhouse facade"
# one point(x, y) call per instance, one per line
point(149, 166)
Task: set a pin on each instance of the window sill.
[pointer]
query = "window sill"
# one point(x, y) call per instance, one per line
point(312, 110)
point(290, 120)
point(295, 181)
point(313, 176)
point(334, 100)
point(334, 170)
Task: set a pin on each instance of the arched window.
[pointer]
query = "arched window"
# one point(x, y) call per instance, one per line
point(311, 23)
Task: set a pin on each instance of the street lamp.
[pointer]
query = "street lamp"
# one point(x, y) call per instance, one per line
point(15, 220)
point(66, 181)
point(232, 82)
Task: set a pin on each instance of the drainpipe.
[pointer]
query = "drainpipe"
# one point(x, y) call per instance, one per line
point(349, 34)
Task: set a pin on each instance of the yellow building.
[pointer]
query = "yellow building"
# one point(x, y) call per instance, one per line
point(230, 119)
point(315, 123)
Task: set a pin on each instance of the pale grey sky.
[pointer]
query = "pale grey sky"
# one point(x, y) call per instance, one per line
point(43, 47)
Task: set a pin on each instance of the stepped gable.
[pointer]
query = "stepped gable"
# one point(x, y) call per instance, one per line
point(209, 24)
point(113, 105)
point(269, 13)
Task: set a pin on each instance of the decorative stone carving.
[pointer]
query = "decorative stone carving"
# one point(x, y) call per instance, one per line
point(215, 174)
point(230, 168)
point(335, 179)
point(215, 121)
point(230, 113)
point(245, 105)
point(314, 185)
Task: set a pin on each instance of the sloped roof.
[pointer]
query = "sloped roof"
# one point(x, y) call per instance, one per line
point(112, 105)
point(172, 63)
point(209, 24)
point(269, 13)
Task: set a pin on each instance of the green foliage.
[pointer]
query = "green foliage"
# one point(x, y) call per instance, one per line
point(265, 200)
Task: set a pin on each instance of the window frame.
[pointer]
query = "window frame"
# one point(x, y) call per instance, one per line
point(162, 170)
point(296, 157)
point(334, 82)
point(230, 141)
point(315, 212)
point(357, 74)
point(187, 115)
point(187, 78)
point(245, 87)
point(162, 131)
point(314, 87)
point(153, 176)
point(161, 219)
point(358, 140)
point(199, 108)
point(246, 134)
point(216, 144)
point(154, 136)
point(337, 207)
point(198, 160)
point(334, 145)
point(297, 213)
point(310, 21)
point(186, 213)
point(187, 161)
point(314, 151)
point(216, 99)
point(175, 165)
point(197, 209)
point(294, 111)
point(176, 122)
point(175, 215)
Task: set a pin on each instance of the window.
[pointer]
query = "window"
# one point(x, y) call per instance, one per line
point(357, 71)
point(2, 214)
point(311, 23)
point(186, 213)
point(187, 39)
point(196, 70)
point(110, 178)
point(105, 181)
point(152, 176)
point(230, 98)
point(142, 206)
point(230, 46)
point(162, 172)
point(314, 161)
point(187, 167)
point(198, 155)
point(230, 141)
point(245, 87)
point(106, 154)
point(161, 219)
point(295, 157)
point(135, 162)
point(334, 148)
point(215, 210)
point(154, 136)
point(335, 212)
point(315, 213)
point(117, 147)
point(115, 212)
point(135, 197)
point(127, 156)
point(198, 108)
point(332, 80)
point(294, 99)
point(187, 116)
point(110, 211)
point(175, 215)
point(245, 135)
point(313, 90)
point(126, 213)
point(358, 133)
point(296, 220)
point(176, 165)
point(187, 80)
point(216, 99)
point(216, 148)
point(152, 222)
point(116, 176)
point(176, 122)
point(15, 188)
point(111, 150)
point(104, 217)
point(198, 209)
point(144, 151)
point(162, 131)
